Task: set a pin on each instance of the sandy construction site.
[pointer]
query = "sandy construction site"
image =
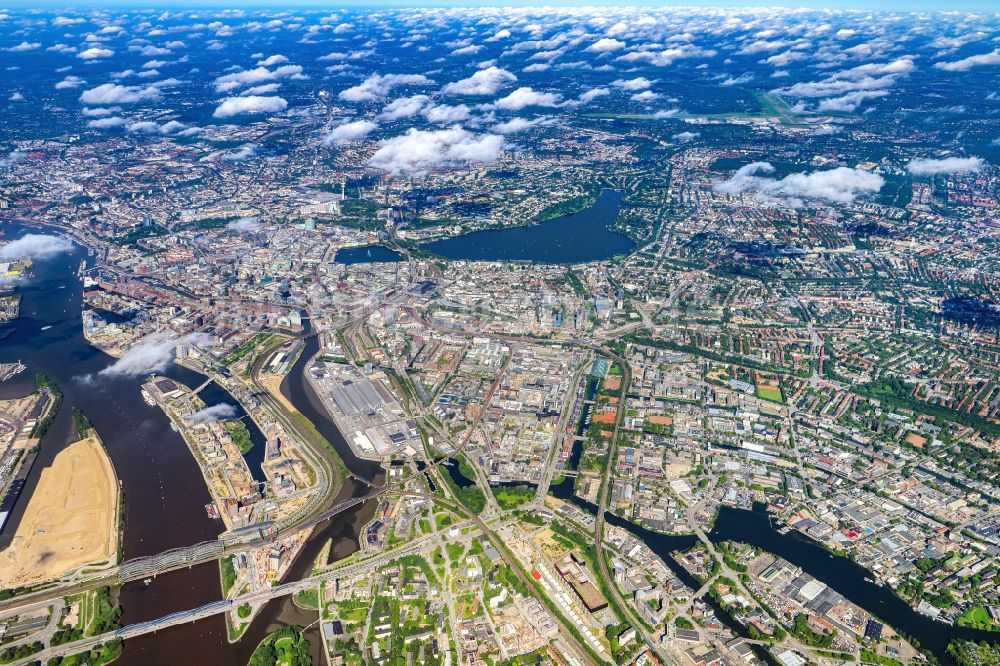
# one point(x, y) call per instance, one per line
point(71, 519)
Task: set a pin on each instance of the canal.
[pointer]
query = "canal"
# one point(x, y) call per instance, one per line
point(840, 573)
point(844, 576)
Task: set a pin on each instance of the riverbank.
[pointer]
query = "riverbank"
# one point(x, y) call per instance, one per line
point(226, 474)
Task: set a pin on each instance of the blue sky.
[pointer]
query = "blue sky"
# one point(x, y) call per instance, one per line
point(990, 6)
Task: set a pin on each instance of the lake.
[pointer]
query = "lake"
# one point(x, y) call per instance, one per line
point(367, 254)
point(569, 239)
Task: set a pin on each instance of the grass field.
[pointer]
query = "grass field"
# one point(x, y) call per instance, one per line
point(307, 599)
point(977, 617)
point(769, 394)
point(771, 105)
point(511, 497)
point(353, 615)
point(227, 574)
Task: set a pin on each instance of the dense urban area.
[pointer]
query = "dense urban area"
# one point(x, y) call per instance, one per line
point(499, 337)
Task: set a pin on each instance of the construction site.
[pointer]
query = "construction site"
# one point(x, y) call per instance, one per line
point(71, 520)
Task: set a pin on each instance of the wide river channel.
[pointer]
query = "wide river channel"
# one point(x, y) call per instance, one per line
point(165, 494)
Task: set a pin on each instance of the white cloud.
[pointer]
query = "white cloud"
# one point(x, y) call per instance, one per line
point(145, 126)
point(346, 132)
point(895, 67)
point(106, 123)
point(419, 151)
point(233, 106)
point(684, 137)
point(518, 125)
point(377, 86)
point(737, 80)
point(100, 111)
point(12, 158)
point(594, 93)
point(244, 152)
point(484, 82)
point(255, 76)
point(94, 53)
point(219, 412)
point(444, 114)
point(950, 165)
point(471, 49)
point(638, 83)
point(150, 50)
point(63, 21)
point(871, 76)
point(112, 93)
point(849, 102)
point(171, 127)
point(965, 64)
point(645, 96)
point(23, 46)
point(263, 89)
point(665, 57)
point(606, 45)
point(525, 97)
point(840, 185)
point(404, 107)
point(153, 354)
point(244, 225)
point(271, 61)
point(35, 246)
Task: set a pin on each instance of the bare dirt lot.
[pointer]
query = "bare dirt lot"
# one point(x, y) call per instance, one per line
point(70, 521)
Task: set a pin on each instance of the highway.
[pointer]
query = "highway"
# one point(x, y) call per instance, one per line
point(256, 598)
point(346, 569)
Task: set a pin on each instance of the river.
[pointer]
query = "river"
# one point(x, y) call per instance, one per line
point(165, 494)
point(569, 239)
point(844, 576)
point(841, 574)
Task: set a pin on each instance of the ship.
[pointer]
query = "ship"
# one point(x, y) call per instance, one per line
point(147, 398)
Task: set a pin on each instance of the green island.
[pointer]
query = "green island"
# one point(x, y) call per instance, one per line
point(239, 434)
point(285, 647)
